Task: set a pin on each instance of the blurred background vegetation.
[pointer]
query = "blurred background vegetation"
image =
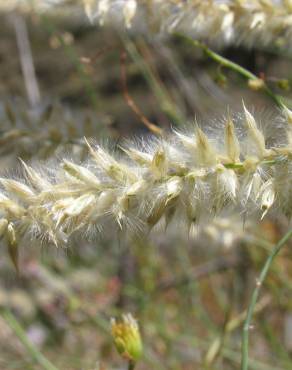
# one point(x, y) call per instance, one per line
point(61, 79)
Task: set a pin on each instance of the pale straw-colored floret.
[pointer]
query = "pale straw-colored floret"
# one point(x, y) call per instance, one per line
point(180, 177)
point(260, 22)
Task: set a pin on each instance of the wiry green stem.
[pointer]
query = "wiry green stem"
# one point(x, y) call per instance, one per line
point(224, 62)
point(255, 294)
point(35, 354)
point(162, 95)
point(131, 365)
point(240, 165)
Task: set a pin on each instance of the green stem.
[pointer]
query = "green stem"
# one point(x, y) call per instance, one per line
point(131, 365)
point(70, 51)
point(255, 294)
point(233, 66)
point(240, 165)
point(169, 108)
point(35, 354)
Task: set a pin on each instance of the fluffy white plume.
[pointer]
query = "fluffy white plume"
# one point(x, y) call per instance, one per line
point(249, 22)
point(183, 177)
point(260, 22)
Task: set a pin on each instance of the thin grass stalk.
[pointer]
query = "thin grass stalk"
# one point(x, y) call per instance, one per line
point(71, 52)
point(32, 350)
point(224, 62)
point(131, 365)
point(166, 103)
point(254, 297)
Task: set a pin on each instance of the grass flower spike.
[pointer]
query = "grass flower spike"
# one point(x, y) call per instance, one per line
point(262, 23)
point(184, 178)
point(223, 22)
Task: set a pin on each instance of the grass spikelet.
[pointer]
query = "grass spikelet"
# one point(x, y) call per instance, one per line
point(256, 136)
point(231, 142)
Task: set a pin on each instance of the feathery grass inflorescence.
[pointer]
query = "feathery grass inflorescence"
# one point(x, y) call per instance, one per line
point(46, 131)
point(185, 178)
point(249, 22)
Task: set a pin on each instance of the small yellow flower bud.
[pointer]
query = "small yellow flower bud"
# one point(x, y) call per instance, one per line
point(284, 84)
point(256, 84)
point(127, 337)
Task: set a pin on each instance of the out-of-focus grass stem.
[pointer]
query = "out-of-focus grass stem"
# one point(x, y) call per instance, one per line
point(33, 351)
point(255, 295)
point(131, 365)
point(224, 62)
point(166, 103)
point(72, 54)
